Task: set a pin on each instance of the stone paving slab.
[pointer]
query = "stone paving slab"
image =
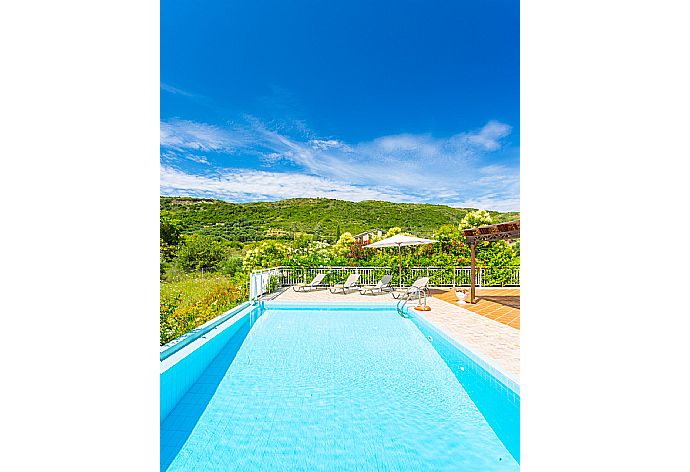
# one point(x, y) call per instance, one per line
point(494, 341)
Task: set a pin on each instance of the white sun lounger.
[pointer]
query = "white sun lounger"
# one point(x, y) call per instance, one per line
point(314, 284)
point(419, 286)
point(349, 284)
point(383, 285)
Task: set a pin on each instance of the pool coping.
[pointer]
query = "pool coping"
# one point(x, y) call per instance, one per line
point(178, 343)
point(487, 364)
point(340, 305)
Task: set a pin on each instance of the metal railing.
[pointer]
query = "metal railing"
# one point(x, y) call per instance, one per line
point(263, 281)
point(402, 301)
point(458, 276)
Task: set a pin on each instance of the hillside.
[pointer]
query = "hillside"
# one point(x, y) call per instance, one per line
point(321, 216)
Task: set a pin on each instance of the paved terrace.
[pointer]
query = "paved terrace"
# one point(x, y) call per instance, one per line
point(500, 304)
point(491, 339)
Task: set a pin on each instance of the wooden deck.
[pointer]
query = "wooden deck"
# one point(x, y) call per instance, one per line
point(499, 304)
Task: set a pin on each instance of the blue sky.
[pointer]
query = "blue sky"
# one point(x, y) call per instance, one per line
point(409, 101)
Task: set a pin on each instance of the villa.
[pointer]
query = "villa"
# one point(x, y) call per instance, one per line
point(367, 236)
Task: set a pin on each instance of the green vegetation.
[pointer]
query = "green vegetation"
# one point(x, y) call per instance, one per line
point(191, 300)
point(208, 247)
point(322, 217)
point(198, 252)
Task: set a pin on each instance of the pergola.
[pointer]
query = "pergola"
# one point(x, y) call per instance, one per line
point(497, 232)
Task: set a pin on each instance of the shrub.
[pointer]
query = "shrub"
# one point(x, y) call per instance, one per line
point(475, 218)
point(342, 247)
point(169, 238)
point(393, 231)
point(267, 254)
point(231, 266)
point(200, 252)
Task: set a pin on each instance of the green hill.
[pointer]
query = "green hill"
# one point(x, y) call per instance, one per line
point(323, 217)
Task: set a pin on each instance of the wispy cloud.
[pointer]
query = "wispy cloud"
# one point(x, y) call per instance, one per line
point(407, 167)
point(491, 202)
point(490, 135)
point(193, 136)
point(174, 90)
point(169, 156)
point(402, 160)
point(326, 144)
point(244, 185)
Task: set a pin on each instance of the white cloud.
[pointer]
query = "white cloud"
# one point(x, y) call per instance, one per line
point(199, 159)
point(407, 160)
point(252, 185)
point(493, 169)
point(176, 156)
point(174, 90)
point(325, 144)
point(272, 158)
point(406, 167)
point(491, 202)
point(489, 136)
point(405, 145)
point(243, 185)
point(190, 135)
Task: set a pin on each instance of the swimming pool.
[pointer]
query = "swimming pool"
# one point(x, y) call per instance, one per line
point(332, 387)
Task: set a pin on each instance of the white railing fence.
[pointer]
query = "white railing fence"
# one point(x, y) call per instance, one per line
point(264, 281)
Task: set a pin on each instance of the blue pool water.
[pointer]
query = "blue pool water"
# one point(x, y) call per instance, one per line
point(341, 389)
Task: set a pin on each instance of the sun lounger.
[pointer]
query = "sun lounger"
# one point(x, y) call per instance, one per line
point(314, 284)
point(349, 284)
point(419, 286)
point(383, 285)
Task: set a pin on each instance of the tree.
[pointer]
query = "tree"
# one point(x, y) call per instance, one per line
point(345, 242)
point(498, 255)
point(169, 238)
point(474, 219)
point(447, 233)
point(318, 230)
point(302, 240)
point(393, 231)
point(170, 231)
point(358, 254)
point(313, 254)
point(267, 254)
point(200, 252)
point(231, 266)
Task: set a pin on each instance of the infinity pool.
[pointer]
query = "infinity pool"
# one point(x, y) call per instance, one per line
point(333, 388)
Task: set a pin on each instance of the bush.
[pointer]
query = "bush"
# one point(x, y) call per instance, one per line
point(393, 231)
point(267, 254)
point(200, 252)
point(231, 266)
point(342, 247)
point(163, 266)
point(314, 254)
point(475, 219)
point(169, 238)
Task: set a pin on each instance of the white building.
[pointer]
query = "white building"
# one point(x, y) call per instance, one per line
point(366, 236)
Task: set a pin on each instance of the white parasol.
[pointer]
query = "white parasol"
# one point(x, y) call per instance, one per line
point(400, 240)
